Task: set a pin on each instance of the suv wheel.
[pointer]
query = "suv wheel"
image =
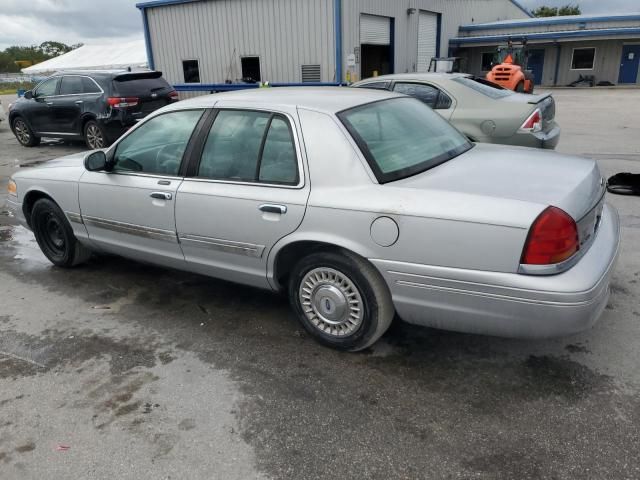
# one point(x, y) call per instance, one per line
point(94, 135)
point(24, 134)
point(55, 236)
point(341, 300)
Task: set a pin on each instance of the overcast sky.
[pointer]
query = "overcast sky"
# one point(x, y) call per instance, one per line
point(28, 22)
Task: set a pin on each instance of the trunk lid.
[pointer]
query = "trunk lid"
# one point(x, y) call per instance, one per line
point(150, 88)
point(531, 175)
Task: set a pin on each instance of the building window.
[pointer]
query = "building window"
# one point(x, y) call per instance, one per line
point(191, 71)
point(310, 73)
point(583, 58)
point(251, 69)
point(487, 61)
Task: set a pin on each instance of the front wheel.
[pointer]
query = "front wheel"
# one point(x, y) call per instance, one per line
point(341, 300)
point(24, 134)
point(55, 236)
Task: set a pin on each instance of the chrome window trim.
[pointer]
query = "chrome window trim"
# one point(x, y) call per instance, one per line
point(228, 246)
point(299, 162)
point(149, 175)
point(131, 229)
point(101, 92)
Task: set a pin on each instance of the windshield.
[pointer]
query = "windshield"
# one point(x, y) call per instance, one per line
point(485, 87)
point(402, 136)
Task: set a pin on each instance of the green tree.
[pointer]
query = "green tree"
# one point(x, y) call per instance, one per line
point(34, 54)
point(545, 11)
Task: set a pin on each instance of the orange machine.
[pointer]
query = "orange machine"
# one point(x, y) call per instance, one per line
point(512, 71)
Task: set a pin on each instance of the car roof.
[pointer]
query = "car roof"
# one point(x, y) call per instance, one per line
point(413, 76)
point(326, 99)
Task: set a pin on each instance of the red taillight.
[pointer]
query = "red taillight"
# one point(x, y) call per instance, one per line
point(123, 102)
point(173, 96)
point(534, 122)
point(553, 238)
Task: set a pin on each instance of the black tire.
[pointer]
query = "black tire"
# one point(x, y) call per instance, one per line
point(23, 133)
point(520, 87)
point(55, 236)
point(363, 283)
point(94, 135)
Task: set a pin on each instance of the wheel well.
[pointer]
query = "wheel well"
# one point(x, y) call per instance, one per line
point(86, 120)
point(29, 201)
point(292, 253)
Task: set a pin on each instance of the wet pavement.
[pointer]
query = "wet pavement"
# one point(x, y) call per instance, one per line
point(122, 370)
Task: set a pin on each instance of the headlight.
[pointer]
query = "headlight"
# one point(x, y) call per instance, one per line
point(12, 188)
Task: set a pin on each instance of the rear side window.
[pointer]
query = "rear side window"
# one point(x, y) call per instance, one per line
point(89, 86)
point(376, 85)
point(70, 85)
point(157, 146)
point(250, 146)
point(139, 86)
point(425, 93)
point(485, 87)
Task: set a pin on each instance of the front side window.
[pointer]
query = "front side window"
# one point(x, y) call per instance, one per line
point(427, 94)
point(71, 85)
point(250, 146)
point(401, 137)
point(47, 88)
point(583, 58)
point(157, 146)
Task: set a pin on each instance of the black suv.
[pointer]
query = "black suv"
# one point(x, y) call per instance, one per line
point(97, 106)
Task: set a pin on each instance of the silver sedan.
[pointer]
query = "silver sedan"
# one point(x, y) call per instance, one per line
point(483, 111)
point(360, 204)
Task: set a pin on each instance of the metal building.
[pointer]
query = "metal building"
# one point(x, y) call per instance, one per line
point(200, 42)
point(560, 49)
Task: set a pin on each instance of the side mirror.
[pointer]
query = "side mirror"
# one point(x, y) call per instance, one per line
point(28, 94)
point(97, 161)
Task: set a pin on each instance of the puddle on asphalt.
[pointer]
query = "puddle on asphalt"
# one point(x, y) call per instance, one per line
point(19, 244)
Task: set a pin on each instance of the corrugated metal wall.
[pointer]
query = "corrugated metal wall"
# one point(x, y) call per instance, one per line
point(454, 13)
point(557, 27)
point(606, 64)
point(285, 34)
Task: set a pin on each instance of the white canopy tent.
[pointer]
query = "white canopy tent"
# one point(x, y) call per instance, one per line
point(95, 57)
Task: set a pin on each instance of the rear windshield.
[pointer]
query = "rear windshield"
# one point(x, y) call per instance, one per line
point(139, 86)
point(483, 86)
point(401, 137)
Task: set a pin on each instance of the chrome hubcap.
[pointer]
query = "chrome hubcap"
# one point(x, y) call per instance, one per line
point(22, 132)
point(331, 302)
point(94, 137)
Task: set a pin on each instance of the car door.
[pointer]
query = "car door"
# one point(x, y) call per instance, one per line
point(68, 104)
point(246, 191)
point(130, 210)
point(39, 115)
point(432, 96)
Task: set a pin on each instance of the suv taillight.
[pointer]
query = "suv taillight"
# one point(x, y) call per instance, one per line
point(553, 238)
point(173, 96)
point(123, 102)
point(534, 122)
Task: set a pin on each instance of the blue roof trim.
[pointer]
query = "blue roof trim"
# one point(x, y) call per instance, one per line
point(160, 3)
point(547, 35)
point(549, 21)
point(519, 5)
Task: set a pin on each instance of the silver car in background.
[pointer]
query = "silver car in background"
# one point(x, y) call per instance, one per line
point(483, 111)
point(359, 204)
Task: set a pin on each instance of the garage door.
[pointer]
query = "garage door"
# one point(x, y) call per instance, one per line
point(375, 30)
point(427, 39)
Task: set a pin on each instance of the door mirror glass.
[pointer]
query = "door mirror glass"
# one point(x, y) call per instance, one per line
point(28, 94)
point(96, 161)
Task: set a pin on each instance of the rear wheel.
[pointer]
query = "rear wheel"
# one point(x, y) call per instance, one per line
point(24, 134)
point(341, 300)
point(55, 236)
point(94, 135)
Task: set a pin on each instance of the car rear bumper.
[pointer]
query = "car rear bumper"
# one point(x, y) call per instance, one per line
point(506, 304)
point(548, 139)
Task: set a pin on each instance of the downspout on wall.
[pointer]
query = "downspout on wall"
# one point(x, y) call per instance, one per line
point(337, 16)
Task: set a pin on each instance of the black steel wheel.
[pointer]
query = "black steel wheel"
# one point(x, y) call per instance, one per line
point(55, 236)
point(24, 134)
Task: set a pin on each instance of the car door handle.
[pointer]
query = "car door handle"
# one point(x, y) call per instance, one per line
point(49, 103)
point(78, 102)
point(161, 195)
point(270, 208)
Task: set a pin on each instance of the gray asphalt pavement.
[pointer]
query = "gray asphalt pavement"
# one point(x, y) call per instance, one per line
point(148, 373)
